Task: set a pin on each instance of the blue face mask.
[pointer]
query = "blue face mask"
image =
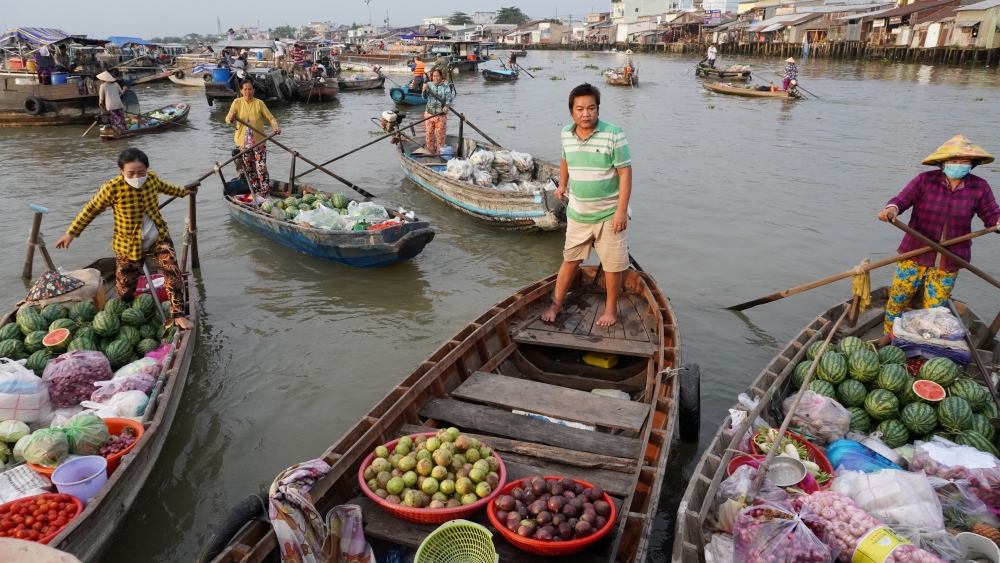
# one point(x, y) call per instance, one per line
point(957, 171)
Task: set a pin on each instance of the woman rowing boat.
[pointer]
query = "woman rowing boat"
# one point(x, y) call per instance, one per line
point(253, 111)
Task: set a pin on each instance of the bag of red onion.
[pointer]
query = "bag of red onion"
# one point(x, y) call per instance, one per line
point(778, 532)
point(849, 527)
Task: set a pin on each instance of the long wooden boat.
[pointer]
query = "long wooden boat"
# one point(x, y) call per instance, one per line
point(313, 90)
point(622, 79)
point(697, 513)
point(519, 53)
point(748, 92)
point(404, 96)
point(490, 75)
point(90, 533)
point(359, 83)
point(150, 122)
point(367, 249)
point(708, 72)
point(507, 359)
point(518, 211)
point(24, 101)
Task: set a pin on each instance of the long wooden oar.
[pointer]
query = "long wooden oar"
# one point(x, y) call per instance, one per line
point(836, 277)
point(766, 464)
point(89, 128)
point(979, 361)
point(942, 250)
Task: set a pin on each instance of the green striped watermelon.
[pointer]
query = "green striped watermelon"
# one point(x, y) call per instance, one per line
point(990, 410)
point(24, 311)
point(144, 302)
point(31, 321)
point(133, 317)
point(82, 344)
point(54, 312)
point(955, 414)
point(907, 396)
point(11, 331)
point(981, 425)
point(813, 350)
point(860, 421)
point(850, 345)
point(129, 334)
point(13, 349)
point(799, 375)
point(863, 365)
point(119, 353)
point(894, 433)
point(851, 393)
point(33, 342)
point(822, 388)
point(146, 346)
point(894, 378)
point(970, 391)
point(891, 355)
point(106, 323)
point(115, 307)
point(86, 332)
point(832, 367)
point(150, 331)
point(339, 200)
point(919, 418)
point(83, 312)
point(942, 371)
point(37, 361)
point(882, 405)
point(974, 439)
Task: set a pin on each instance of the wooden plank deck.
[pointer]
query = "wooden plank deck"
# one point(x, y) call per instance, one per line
point(552, 400)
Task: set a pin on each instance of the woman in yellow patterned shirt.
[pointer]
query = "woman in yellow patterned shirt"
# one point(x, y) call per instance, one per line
point(254, 112)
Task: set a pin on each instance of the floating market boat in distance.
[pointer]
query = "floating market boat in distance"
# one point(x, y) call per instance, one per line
point(750, 91)
point(364, 248)
point(622, 78)
point(318, 89)
point(508, 360)
point(537, 210)
point(150, 122)
point(519, 52)
point(504, 75)
point(89, 534)
point(272, 85)
point(735, 72)
point(698, 511)
point(359, 83)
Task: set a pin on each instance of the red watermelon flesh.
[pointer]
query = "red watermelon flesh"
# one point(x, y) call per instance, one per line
point(928, 390)
point(58, 340)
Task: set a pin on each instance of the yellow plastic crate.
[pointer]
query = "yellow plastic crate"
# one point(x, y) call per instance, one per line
point(601, 360)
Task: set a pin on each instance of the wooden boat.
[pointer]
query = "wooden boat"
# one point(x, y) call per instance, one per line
point(24, 101)
point(704, 71)
point(359, 83)
point(518, 211)
point(368, 249)
point(519, 53)
point(87, 536)
point(697, 514)
point(195, 77)
point(313, 90)
point(403, 96)
point(616, 78)
point(499, 75)
point(748, 92)
point(508, 359)
point(151, 122)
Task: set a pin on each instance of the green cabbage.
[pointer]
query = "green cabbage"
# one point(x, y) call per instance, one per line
point(4, 452)
point(18, 451)
point(86, 434)
point(47, 447)
point(13, 430)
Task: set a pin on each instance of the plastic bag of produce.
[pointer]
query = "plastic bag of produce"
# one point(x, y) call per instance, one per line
point(482, 159)
point(821, 417)
point(503, 161)
point(71, 376)
point(907, 498)
point(935, 322)
point(848, 455)
point(13, 430)
point(136, 382)
point(858, 534)
point(482, 178)
point(959, 507)
point(322, 218)
point(932, 540)
point(86, 433)
point(507, 187)
point(774, 532)
point(947, 460)
point(23, 396)
point(46, 447)
point(369, 209)
point(148, 366)
point(17, 452)
point(511, 176)
point(459, 169)
point(127, 404)
point(720, 549)
point(522, 161)
point(738, 484)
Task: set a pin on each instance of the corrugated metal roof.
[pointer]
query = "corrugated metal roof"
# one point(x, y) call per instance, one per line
point(915, 7)
point(984, 5)
point(856, 16)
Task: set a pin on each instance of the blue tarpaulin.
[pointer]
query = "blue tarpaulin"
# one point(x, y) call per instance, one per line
point(120, 40)
point(34, 35)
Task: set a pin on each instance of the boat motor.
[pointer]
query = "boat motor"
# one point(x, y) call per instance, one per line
point(391, 119)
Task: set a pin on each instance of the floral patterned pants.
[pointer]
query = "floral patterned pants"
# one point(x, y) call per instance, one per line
point(128, 271)
point(437, 128)
point(255, 165)
point(117, 117)
point(937, 285)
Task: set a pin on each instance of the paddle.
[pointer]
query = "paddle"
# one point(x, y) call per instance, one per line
point(518, 69)
point(89, 128)
point(836, 277)
point(766, 464)
point(942, 250)
point(979, 361)
point(799, 86)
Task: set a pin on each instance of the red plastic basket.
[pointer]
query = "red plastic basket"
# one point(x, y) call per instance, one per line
point(815, 455)
point(739, 461)
point(48, 538)
point(428, 515)
point(547, 547)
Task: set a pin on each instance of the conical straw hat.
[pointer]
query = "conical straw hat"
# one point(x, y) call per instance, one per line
point(106, 77)
point(958, 147)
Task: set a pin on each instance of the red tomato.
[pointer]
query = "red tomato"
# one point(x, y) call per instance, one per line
point(33, 535)
point(29, 521)
point(37, 526)
point(6, 525)
point(15, 507)
point(65, 498)
point(21, 527)
point(21, 534)
point(17, 519)
point(4, 509)
point(63, 514)
point(71, 508)
point(60, 522)
point(36, 513)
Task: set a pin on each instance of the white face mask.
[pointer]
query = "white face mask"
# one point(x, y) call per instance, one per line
point(136, 182)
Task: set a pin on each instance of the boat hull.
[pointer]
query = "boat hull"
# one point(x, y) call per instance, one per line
point(631, 80)
point(720, 88)
point(184, 110)
point(52, 104)
point(495, 76)
point(319, 92)
point(404, 97)
point(358, 85)
point(516, 211)
point(702, 72)
point(191, 81)
point(364, 249)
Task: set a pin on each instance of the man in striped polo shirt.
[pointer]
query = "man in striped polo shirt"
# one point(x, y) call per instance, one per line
point(596, 173)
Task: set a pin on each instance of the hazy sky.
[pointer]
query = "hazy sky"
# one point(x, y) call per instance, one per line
point(101, 18)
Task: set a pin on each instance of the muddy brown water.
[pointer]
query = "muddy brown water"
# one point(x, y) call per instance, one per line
point(734, 198)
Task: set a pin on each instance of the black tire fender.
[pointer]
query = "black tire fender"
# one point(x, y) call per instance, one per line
point(179, 75)
point(690, 403)
point(286, 91)
point(34, 105)
point(250, 509)
point(207, 77)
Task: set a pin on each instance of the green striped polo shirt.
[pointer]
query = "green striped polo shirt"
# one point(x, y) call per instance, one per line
point(592, 164)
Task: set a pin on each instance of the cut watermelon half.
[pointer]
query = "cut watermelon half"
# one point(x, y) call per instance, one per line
point(928, 391)
point(58, 340)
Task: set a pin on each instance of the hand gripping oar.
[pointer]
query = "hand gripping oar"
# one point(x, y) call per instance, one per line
point(942, 250)
point(766, 464)
point(836, 277)
point(979, 361)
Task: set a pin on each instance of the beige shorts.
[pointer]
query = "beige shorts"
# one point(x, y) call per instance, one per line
point(611, 248)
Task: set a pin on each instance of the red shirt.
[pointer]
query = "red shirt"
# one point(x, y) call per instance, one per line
point(298, 55)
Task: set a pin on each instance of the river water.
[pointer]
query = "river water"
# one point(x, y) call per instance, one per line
point(733, 199)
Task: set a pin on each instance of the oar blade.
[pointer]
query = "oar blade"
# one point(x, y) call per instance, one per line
point(755, 302)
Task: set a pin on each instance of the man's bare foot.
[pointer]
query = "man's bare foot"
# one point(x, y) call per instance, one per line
point(183, 323)
point(550, 314)
point(609, 318)
point(884, 341)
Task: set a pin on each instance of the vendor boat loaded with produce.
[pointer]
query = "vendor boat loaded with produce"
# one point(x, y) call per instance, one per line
point(871, 436)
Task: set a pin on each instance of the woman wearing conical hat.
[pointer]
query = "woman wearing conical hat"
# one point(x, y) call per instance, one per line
point(943, 202)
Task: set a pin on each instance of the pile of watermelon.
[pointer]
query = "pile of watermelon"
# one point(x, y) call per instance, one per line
point(122, 333)
point(290, 207)
point(882, 396)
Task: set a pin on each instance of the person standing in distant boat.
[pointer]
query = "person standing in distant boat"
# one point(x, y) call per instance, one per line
point(595, 173)
point(298, 55)
point(279, 53)
point(253, 111)
point(944, 202)
point(791, 73)
point(231, 35)
point(62, 59)
point(711, 55)
point(110, 98)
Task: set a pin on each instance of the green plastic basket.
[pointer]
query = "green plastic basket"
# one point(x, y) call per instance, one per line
point(458, 541)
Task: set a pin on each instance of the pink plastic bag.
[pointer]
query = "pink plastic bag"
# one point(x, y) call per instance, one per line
point(71, 376)
point(135, 382)
point(950, 461)
point(774, 532)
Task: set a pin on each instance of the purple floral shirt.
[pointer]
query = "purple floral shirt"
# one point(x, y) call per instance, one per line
point(940, 213)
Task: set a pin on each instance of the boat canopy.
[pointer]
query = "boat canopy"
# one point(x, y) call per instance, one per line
point(121, 41)
point(244, 44)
